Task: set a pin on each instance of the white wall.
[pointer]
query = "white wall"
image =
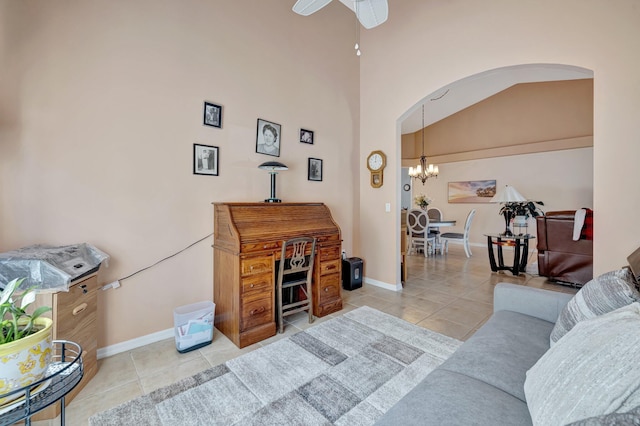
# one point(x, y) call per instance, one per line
point(101, 102)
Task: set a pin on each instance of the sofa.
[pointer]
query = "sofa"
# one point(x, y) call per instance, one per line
point(560, 258)
point(508, 372)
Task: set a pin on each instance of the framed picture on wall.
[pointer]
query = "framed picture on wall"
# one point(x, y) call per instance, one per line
point(315, 169)
point(306, 136)
point(212, 115)
point(205, 160)
point(472, 191)
point(268, 138)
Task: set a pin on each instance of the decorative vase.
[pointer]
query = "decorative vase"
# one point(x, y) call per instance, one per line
point(520, 221)
point(26, 360)
point(425, 207)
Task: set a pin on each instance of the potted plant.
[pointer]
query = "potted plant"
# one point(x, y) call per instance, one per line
point(25, 341)
point(520, 211)
point(422, 201)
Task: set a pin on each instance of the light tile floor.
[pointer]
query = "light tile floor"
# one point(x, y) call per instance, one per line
point(450, 294)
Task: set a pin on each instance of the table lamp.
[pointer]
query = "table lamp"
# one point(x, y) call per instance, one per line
point(273, 167)
point(508, 194)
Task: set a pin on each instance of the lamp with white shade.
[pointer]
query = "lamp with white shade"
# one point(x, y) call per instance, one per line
point(508, 194)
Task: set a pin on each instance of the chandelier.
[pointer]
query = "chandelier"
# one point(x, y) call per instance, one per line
point(422, 171)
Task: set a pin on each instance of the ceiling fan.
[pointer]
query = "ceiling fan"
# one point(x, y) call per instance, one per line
point(370, 13)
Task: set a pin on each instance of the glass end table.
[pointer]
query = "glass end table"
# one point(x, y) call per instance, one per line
point(520, 244)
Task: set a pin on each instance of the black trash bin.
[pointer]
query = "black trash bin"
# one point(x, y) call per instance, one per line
point(351, 273)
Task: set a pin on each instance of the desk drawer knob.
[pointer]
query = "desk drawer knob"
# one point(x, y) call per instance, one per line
point(251, 286)
point(79, 308)
point(84, 289)
point(257, 311)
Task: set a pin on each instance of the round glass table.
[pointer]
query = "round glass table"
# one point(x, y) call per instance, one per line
point(64, 373)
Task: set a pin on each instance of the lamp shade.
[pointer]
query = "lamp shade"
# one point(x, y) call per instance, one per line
point(508, 194)
point(272, 165)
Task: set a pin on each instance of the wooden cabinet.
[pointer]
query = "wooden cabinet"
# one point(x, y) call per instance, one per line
point(247, 244)
point(74, 318)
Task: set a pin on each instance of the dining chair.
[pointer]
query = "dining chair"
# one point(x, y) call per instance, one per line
point(435, 215)
point(294, 278)
point(457, 237)
point(418, 228)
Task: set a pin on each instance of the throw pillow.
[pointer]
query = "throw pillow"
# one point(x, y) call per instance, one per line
point(630, 418)
point(592, 371)
point(603, 294)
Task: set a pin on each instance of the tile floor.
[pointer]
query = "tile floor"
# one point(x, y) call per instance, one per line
point(449, 294)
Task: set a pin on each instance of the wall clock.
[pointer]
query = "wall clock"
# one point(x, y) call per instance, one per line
point(376, 162)
point(407, 187)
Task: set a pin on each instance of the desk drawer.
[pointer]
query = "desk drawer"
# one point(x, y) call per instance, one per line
point(76, 314)
point(257, 309)
point(258, 283)
point(260, 246)
point(329, 288)
point(330, 267)
point(329, 253)
point(256, 265)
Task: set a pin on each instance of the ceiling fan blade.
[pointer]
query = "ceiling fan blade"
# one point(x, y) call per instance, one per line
point(372, 13)
point(307, 7)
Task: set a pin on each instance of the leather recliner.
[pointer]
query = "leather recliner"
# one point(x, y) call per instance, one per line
point(560, 258)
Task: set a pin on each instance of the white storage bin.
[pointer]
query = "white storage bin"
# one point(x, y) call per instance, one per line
point(193, 325)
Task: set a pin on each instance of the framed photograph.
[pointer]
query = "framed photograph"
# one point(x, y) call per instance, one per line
point(268, 138)
point(205, 160)
point(315, 169)
point(472, 191)
point(306, 136)
point(212, 115)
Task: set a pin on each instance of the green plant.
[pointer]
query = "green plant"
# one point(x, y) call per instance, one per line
point(422, 201)
point(16, 322)
point(522, 208)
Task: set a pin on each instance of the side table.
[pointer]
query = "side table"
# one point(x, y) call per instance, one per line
point(64, 373)
point(520, 244)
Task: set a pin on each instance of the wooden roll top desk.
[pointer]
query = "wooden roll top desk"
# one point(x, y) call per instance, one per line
point(247, 244)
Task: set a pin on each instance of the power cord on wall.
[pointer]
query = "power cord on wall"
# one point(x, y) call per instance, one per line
point(116, 283)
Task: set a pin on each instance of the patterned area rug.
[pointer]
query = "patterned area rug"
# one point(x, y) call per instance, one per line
point(346, 371)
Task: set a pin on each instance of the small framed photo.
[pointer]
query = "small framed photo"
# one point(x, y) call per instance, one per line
point(205, 160)
point(315, 169)
point(212, 115)
point(268, 138)
point(306, 136)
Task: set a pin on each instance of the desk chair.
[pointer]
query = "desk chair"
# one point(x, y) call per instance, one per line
point(294, 277)
point(418, 226)
point(457, 237)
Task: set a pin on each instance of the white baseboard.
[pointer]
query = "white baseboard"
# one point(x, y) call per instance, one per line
point(381, 284)
point(135, 343)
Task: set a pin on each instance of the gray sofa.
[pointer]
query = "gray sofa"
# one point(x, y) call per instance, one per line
point(482, 383)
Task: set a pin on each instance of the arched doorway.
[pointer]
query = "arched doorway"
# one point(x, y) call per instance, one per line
point(520, 167)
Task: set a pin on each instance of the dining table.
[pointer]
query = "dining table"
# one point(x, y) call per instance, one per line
point(440, 224)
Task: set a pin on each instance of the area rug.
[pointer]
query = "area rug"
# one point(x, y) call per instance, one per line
point(346, 371)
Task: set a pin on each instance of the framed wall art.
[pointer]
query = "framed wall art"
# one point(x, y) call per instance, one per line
point(212, 115)
point(472, 191)
point(315, 169)
point(268, 138)
point(306, 136)
point(205, 160)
